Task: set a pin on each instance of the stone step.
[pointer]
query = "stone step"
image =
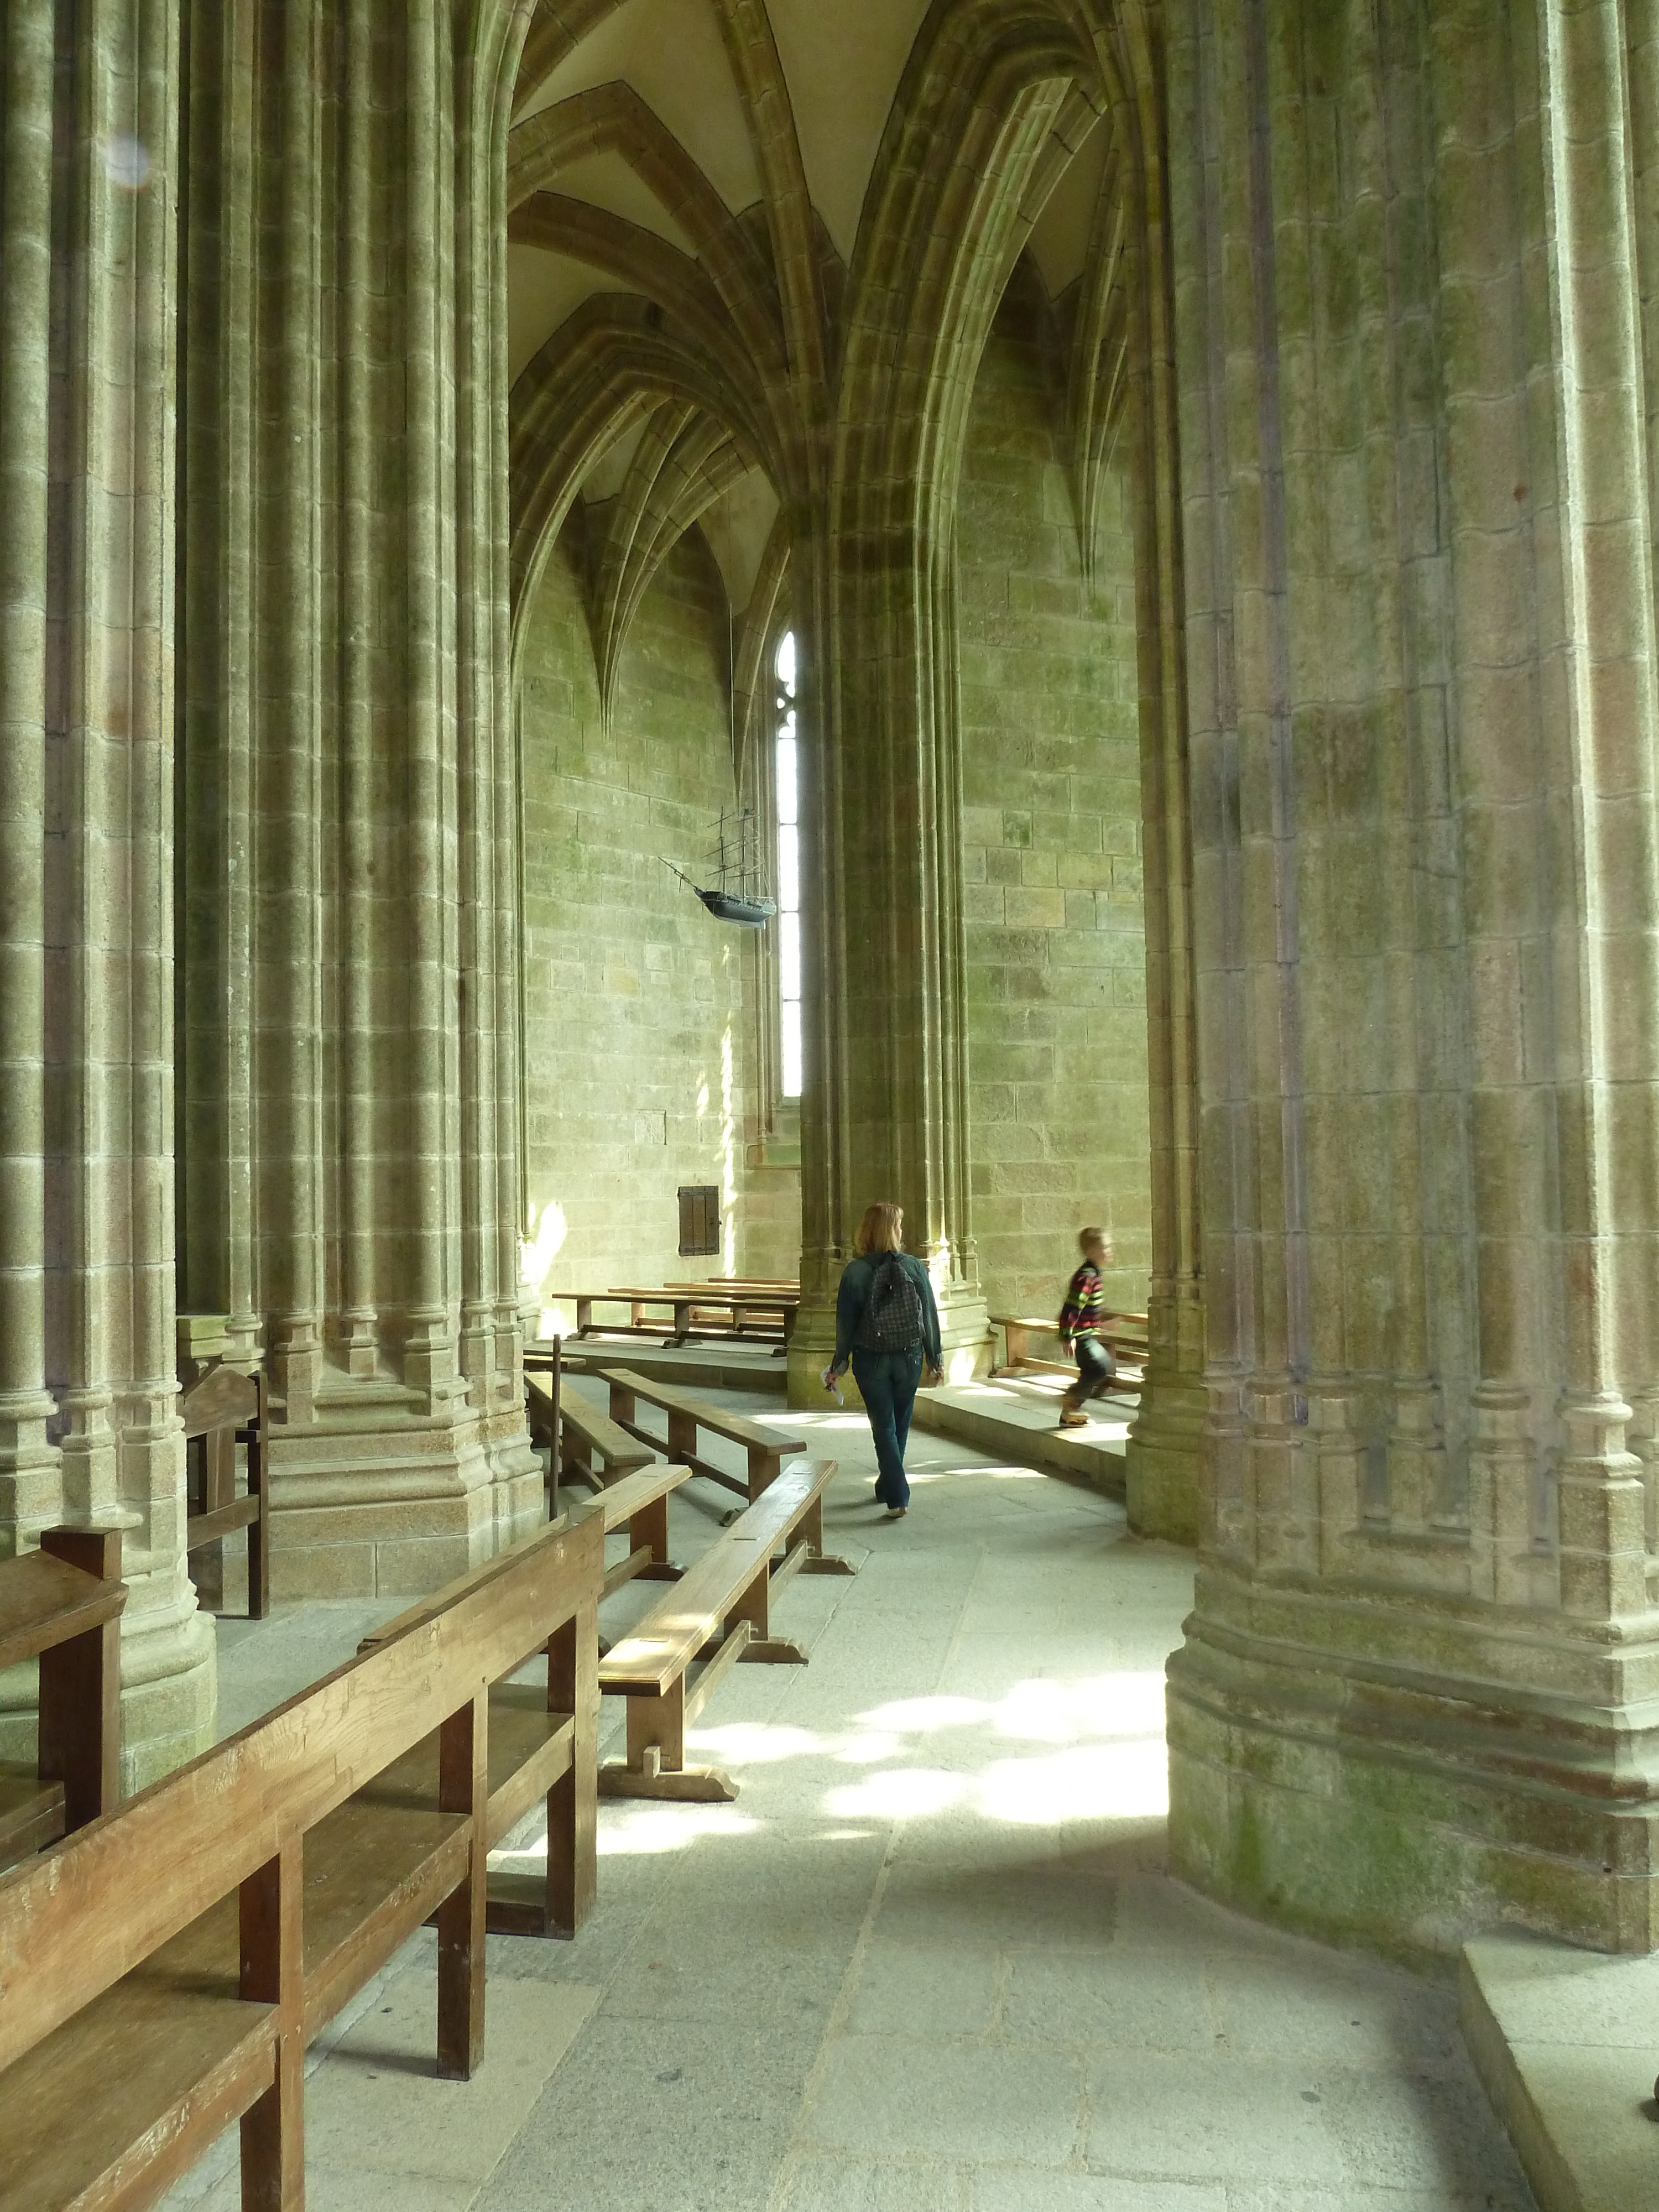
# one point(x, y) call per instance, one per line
point(1567, 2042)
point(1016, 1418)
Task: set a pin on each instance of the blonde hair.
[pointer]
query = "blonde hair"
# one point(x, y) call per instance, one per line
point(1088, 1237)
point(879, 1230)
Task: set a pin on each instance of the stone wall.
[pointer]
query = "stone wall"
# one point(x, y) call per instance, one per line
point(1051, 837)
point(639, 1043)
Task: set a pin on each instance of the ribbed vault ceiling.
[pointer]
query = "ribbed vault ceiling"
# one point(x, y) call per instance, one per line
point(664, 155)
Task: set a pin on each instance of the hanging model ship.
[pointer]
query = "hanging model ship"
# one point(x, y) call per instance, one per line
point(736, 862)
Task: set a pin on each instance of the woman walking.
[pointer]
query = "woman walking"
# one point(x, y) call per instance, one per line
point(886, 1326)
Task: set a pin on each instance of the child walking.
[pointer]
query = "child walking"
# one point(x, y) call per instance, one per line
point(1082, 1318)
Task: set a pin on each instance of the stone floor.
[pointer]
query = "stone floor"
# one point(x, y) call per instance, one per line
point(930, 1960)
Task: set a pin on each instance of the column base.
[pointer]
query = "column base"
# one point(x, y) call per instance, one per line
point(169, 1682)
point(1163, 1459)
point(1384, 1773)
point(379, 1501)
point(964, 1340)
point(169, 1691)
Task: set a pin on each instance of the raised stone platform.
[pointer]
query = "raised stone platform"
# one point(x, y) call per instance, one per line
point(1567, 2042)
point(1017, 1419)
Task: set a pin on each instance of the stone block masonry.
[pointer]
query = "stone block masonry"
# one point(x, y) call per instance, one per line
point(641, 1022)
point(1056, 974)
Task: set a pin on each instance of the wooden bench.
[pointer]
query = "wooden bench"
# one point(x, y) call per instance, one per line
point(1125, 1333)
point(748, 1310)
point(639, 1501)
point(744, 1316)
point(718, 1613)
point(62, 1605)
point(592, 1448)
point(635, 1324)
point(226, 1409)
point(163, 1969)
point(764, 1451)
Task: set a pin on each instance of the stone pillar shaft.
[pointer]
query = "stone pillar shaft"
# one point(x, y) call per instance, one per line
point(379, 1208)
point(87, 1428)
point(1418, 1677)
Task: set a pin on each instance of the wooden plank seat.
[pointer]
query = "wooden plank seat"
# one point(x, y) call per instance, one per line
point(62, 1605)
point(224, 1409)
point(706, 1314)
point(727, 1316)
point(638, 1503)
point(592, 1448)
point(763, 1311)
point(764, 1451)
point(717, 1615)
point(162, 1969)
point(635, 1324)
point(1125, 1333)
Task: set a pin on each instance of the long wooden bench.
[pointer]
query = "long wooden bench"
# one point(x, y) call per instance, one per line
point(755, 1310)
point(764, 1451)
point(62, 1605)
point(1125, 1333)
point(592, 1449)
point(638, 1503)
point(226, 1409)
point(744, 1317)
point(162, 1970)
point(719, 1613)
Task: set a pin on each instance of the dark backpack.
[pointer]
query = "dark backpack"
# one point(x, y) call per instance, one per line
point(892, 1320)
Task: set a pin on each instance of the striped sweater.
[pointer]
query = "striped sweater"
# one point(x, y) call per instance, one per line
point(1083, 1313)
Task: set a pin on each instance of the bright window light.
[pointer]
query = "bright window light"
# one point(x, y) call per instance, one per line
point(787, 783)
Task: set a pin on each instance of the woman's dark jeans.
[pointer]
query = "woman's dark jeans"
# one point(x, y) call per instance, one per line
point(887, 1384)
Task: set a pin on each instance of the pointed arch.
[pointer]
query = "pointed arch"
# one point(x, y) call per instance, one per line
point(613, 119)
point(638, 258)
point(684, 463)
point(556, 28)
point(758, 71)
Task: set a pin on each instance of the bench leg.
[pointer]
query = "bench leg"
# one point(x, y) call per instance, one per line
point(572, 1812)
point(464, 1787)
point(656, 1764)
point(817, 1561)
point(273, 2131)
point(763, 1468)
point(681, 1438)
point(80, 1726)
point(648, 1529)
point(259, 1534)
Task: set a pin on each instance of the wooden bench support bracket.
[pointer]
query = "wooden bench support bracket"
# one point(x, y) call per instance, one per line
point(625, 1570)
point(773, 1651)
point(827, 1562)
point(705, 1785)
point(791, 1564)
point(738, 1641)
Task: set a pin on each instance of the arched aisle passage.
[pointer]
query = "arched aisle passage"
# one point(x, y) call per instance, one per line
point(931, 1956)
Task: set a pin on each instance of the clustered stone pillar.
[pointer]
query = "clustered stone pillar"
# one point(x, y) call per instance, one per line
point(88, 1430)
point(349, 1153)
point(1416, 349)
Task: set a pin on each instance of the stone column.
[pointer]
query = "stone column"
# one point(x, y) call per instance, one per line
point(347, 819)
point(884, 1114)
point(883, 1111)
point(1164, 1446)
point(88, 1430)
point(1415, 1697)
